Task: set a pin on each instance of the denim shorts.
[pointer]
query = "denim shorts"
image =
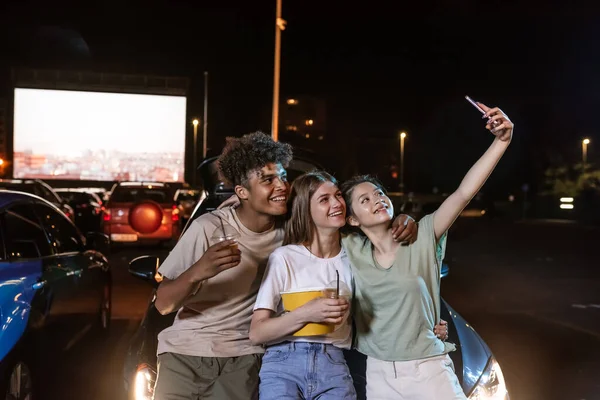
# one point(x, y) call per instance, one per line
point(297, 370)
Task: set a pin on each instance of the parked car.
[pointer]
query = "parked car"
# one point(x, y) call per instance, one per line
point(88, 208)
point(141, 212)
point(477, 369)
point(101, 192)
point(186, 200)
point(54, 284)
point(41, 189)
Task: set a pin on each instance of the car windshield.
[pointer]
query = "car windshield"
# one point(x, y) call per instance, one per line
point(210, 177)
point(77, 197)
point(188, 195)
point(134, 194)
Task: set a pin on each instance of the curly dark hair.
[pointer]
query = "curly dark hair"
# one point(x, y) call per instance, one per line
point(251, 152)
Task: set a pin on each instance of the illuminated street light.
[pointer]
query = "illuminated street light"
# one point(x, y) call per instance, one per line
point(584, 145)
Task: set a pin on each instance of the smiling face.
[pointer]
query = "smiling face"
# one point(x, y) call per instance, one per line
point(327, 207)
point(267, 190)
point(370, 206)
point(315, 202)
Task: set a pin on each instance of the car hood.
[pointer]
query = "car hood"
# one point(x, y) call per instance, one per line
point(475, 353)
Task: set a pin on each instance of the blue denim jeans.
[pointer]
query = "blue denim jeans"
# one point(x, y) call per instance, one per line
point(309, 371)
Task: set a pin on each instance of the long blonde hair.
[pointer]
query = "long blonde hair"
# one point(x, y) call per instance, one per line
point(299, 226)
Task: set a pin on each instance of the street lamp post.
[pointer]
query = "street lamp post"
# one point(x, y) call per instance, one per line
point(584, 145)
point(279, 26)
point(195, 122)
point(402, 137)
point(205, 127)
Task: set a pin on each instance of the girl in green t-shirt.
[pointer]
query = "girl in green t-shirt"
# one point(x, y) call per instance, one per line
point(397, 286)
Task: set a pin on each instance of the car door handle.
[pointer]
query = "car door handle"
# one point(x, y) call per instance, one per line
point(39, 285)
point(77, 272)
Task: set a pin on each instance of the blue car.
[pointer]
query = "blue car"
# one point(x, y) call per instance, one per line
point(55, 286)
point(477, 369)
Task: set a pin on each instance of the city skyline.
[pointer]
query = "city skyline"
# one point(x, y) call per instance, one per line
point(101, 165)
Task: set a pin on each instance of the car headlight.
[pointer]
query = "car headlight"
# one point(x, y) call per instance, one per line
point(145, 378)
point(491, 385)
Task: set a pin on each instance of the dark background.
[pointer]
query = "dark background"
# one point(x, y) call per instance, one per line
point(382, 67)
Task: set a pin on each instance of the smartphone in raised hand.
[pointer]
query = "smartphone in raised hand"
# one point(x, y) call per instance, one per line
point(470, 100)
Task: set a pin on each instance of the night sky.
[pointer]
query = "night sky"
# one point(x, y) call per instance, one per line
point(381, 66)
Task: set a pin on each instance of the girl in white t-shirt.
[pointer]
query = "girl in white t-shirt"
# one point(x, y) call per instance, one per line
point(303, 367)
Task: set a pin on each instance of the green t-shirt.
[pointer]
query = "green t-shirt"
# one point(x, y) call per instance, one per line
point(396, 309)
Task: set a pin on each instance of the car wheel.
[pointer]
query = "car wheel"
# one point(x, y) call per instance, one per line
point(20, 382)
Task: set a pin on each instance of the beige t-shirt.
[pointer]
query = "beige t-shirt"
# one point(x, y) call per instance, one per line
point(396, 309)
point(215, 321)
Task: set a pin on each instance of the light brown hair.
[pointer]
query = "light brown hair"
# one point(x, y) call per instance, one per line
point(299, 227)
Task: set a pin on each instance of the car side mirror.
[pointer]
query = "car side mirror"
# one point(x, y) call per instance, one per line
point(445, 270)
point(145, 268)
point(97, 241)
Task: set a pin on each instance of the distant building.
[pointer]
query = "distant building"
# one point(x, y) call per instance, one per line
point(303, 122)
point(29, 160)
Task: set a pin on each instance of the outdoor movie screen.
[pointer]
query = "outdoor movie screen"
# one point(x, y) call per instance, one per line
point(60, 134)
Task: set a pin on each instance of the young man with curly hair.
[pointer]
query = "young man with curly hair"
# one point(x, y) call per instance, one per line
point(207, 352)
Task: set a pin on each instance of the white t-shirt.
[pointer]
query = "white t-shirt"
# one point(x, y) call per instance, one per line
point(293, 267)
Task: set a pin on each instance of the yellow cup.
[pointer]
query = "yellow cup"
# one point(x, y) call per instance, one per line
point(296, 298)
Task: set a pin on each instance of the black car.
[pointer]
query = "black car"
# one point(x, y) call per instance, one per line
point(186, 200)
point(55, 285)
point(88, 208)
point(476, 367)
point(41, 189)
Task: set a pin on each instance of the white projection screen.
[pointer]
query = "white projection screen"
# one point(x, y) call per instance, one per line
point(60, 134)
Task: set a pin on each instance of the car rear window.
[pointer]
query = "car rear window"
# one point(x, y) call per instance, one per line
point(132, 195)
point(76, 197)
point(183, 196)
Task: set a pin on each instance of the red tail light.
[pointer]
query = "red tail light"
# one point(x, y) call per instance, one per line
point(175, 213)
point(106, 216)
